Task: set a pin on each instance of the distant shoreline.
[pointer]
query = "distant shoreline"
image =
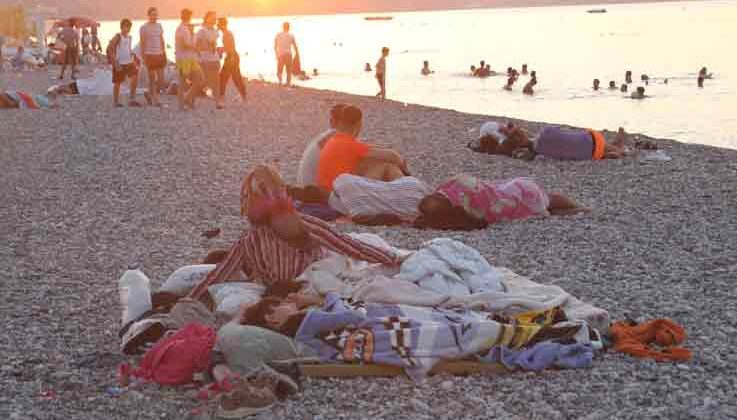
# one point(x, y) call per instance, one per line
point(503, 4)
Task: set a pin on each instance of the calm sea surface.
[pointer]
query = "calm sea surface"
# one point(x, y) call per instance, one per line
point(567, 46)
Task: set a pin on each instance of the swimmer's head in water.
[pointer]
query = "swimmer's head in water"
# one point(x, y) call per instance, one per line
point(641, 90)
point(385, 51)
point(612, 84)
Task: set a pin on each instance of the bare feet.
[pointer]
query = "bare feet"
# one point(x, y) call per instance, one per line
point(621, 139)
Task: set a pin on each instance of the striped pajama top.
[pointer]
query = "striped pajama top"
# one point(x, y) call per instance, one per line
point(267, 259)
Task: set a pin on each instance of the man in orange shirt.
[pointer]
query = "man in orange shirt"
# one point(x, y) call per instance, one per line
point(344, 153)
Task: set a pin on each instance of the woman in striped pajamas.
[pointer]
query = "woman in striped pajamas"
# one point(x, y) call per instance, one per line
point(282, 243)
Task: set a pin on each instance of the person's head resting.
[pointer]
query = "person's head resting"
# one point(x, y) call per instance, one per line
point(153, 14)
point(351, 121)
point(437, 212)
point(185, 15)
point(285, 26)
point(210, 18)
point(336, 116)
point(274, 314)
point(385, 51)
point(222, 23)
point(125, 26)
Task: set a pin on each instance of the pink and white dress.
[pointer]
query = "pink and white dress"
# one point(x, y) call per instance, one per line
point(515, 199)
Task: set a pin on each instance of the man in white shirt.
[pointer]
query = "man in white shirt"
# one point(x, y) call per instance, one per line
point(307, 172)
point(206, 43)
point(123, 65)
point(283, 44)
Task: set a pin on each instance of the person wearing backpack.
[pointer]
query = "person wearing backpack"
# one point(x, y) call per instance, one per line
point(120, 54)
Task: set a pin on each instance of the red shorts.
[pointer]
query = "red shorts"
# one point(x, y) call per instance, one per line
point(124, 71)
point(154, 62)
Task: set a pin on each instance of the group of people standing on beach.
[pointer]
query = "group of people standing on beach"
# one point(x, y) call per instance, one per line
point(197, 59)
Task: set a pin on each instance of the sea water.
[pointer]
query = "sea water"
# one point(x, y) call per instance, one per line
point(565, 45)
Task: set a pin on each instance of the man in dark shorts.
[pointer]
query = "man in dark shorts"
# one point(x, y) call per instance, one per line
point(231, 65)
point(124, 66)
point(70, 38)
point(154, 53)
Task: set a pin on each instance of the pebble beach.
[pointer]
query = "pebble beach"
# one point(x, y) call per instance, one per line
point(88, 189)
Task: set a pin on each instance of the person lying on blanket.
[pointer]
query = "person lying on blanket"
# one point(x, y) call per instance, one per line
point(282, 243)
point(345, 154)
point(552, 142)
point(410, 337)
point(466, 203)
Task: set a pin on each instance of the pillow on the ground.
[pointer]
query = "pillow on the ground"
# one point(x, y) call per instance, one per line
point(246, 347)
point(184, 279)
point(229, 297)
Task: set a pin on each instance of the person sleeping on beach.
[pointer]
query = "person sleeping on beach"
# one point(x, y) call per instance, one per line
point(415, 338)
point(18, 99)
point(282, 243)
point(552, 142)
point(467, 203)
point(345, 154)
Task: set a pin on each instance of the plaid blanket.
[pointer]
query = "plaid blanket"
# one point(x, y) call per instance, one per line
point(410, 337)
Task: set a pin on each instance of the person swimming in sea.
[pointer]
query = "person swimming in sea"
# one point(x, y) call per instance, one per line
point(628, 77)
point(528, 89)
point(473, 70)
point(524, 69)
point(426, 68)
point(510, 83)
point(612, 85)
point(623, 89)
point(367, 68)
point(596, 84)
point(639, 94)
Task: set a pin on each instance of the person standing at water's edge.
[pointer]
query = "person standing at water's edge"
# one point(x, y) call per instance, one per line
point(381, 73)
point(283, 44)
point(154, 53)
point(188, 66)
point(231, 65)
point(207, 41)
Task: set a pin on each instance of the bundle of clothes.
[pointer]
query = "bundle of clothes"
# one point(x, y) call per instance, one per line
point(292, 289)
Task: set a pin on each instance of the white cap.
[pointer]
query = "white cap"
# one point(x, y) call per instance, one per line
point(491, 128)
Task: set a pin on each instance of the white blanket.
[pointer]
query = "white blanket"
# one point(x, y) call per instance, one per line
point(372, 283)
